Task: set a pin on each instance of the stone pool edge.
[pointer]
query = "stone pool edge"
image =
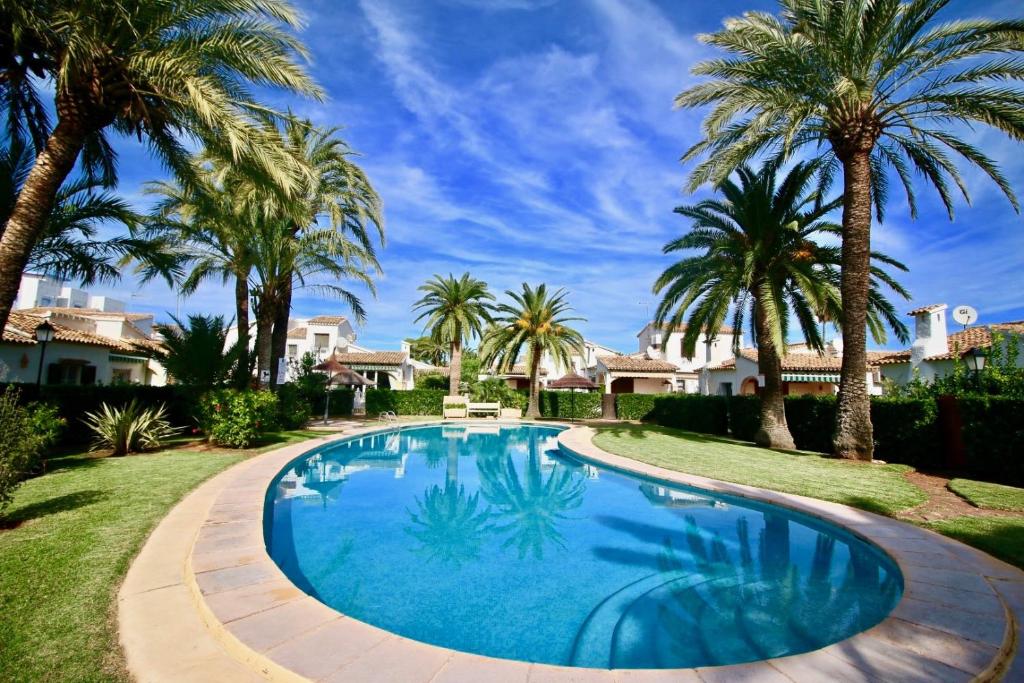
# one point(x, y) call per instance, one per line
point(203, 600)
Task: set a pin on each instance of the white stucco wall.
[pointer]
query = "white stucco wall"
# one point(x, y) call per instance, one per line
point(13, 357)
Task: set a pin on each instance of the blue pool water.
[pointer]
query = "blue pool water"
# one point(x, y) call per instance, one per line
point(490, 540)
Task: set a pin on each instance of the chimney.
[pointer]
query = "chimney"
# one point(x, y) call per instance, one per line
point(929, 333)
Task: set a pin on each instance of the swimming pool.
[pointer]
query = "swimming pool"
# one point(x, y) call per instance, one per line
point(488, 539)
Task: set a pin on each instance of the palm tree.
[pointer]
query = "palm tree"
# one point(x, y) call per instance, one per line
point(428, 350)
point(206, 219)
point(455, 310)
point(867, 86)
point(758, 257)
point(161, 71)
point(333, 190)
point(536, 321)
point(197, 354)
point(69, 248)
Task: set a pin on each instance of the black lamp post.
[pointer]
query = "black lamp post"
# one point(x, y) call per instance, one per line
point(44, 334)
point(975, 359)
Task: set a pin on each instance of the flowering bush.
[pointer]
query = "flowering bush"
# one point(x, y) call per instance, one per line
point(27, 431)
point(236, 419)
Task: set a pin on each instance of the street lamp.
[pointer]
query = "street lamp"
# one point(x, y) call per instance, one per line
point(44, 335)
point(975, 359)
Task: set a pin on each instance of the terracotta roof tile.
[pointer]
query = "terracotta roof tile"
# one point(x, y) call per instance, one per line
point(297, 333)
point(327, 320)
point(806, 362)
point(85, 313)
point(961, 342)
point(21, 330)
point(926, 309)
point(372, 358)
point(724, 329)
point(633, 364)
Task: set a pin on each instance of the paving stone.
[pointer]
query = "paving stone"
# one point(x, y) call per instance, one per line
point(984, 629)
point(964, 581)
point(888, 662)
point(656, 676)
point(318, 653)
point(938, 645)
point(240, 602)
point(234, 556)
point(468, 668)
point(820, 666)
point(544, 673)
point(229, 578)
point(754, 672)
point(264, 630)
point(394, 659)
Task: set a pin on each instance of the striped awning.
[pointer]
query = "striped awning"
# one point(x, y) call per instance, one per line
point(118, 358)
point(830, 377)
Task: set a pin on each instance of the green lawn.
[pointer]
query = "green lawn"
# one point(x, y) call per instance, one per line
point(992, 496)
point(878, 488)
point(72, 535)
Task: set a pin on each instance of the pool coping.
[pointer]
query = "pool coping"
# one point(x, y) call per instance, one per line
point(205, 582)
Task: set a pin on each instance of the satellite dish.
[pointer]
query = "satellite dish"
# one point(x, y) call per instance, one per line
point(965, 315)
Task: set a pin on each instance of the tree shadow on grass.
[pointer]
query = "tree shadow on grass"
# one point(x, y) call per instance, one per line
point(71, 501)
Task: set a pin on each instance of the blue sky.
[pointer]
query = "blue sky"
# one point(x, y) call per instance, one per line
point(533, 140)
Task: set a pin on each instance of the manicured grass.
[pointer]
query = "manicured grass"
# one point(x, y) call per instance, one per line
point(877, 488)
point(1002, 537)
point(75, 532)
point(991, 496)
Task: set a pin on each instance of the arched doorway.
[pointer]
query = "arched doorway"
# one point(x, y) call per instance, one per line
point(750, 387)
point(622, 385)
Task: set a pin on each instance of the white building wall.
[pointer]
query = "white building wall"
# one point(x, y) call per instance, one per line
point(21, 361)
point(714, 353)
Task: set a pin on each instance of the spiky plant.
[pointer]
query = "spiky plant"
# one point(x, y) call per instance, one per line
point(130, 428)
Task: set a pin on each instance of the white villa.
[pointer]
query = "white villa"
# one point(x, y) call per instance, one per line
point(934, 350)
point(660, 365)
point(324, 335)
point(89, 347)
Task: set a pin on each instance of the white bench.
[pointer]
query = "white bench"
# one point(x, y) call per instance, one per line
point(455, 406)
point(484, 409)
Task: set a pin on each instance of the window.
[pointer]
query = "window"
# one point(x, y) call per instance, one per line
point(121, 376)
point(293, 350)
point(321, 341)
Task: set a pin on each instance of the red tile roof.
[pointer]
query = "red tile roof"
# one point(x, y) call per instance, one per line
point(372, 358)
point(633, 364)
point(297, 333)
point(926, 309)
point(805, 362)
point(21, 330)
point(961, 342)
point(85, 313)
point(327, 320)
point(724, 329)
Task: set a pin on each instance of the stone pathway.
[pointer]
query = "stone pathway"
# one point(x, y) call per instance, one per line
point(943, 503)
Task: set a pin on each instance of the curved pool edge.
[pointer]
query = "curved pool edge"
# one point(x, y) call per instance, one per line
point(256, 619)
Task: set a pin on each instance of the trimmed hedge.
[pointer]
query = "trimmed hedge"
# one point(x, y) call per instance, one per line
point(570, 405)
point(993, 434)
point(634, 406)
point(744, 417)
point(811, 420)
point(692, 412)
point(74, 401)
point(411, 402)
point(342, 400)
point(906, 431)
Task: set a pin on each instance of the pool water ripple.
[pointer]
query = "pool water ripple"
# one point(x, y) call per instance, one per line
point(488, 539)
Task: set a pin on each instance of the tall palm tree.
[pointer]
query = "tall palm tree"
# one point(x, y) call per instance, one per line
point(334, 192)
point(455, 310)
point(207, 220)
point(428, 350)
point(70, 248)
point(758, 257)
point(868, 86)
point(162, 70)
point(534, 322)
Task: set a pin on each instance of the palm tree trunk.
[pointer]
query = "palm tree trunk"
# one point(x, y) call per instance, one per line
point(853, 437)
point(33, 206)
point(533, 407)
point(265, 313)
point(455, 369)
point(279, 337)
point(243, 371)
point(774, 432)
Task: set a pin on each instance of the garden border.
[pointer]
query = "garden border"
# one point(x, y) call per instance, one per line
point(203, 601)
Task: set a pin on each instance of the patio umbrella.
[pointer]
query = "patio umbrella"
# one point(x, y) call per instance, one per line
point(339, 374)
point(331, 365)
point(572, 382)
point(347, 377)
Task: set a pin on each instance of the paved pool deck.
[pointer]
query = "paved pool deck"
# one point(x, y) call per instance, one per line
point(203, 601)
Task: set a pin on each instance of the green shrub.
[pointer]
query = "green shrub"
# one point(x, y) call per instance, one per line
point(906, 431)
point(411, 402)
point(993, 434)
point(744, 417)
point(21, 446)
point(692, 412)
point(431, 380)
point(237, 419)
point(634, 406)
point(342, 400)
point(496, 390)
point(811, 420)
point(570, 405)
point(293, 409)
point(129, 429)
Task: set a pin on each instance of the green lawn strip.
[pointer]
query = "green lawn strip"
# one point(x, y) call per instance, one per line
point(1002, 537)
point(877, 488)
point(991, 496)
point(80, 526)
